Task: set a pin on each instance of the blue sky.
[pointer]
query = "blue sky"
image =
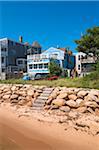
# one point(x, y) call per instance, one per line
point(49, 23)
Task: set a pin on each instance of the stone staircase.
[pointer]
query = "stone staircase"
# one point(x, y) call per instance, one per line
point(40, 101)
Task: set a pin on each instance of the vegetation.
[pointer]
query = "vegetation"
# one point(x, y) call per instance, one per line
point(89, 42)
point(55, 69)
point(89, 81)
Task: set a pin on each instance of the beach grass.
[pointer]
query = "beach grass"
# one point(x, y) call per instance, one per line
point(85, 82)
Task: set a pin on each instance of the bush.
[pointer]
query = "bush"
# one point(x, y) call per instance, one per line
point(55, 69)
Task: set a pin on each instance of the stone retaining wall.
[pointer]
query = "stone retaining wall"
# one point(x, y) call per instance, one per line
point(73, 100)
point(19, 94)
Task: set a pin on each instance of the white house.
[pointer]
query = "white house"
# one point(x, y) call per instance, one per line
point(84, 63)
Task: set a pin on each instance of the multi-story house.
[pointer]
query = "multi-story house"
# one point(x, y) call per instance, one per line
point(37, 65)
point(13, 56)
point(84, 63)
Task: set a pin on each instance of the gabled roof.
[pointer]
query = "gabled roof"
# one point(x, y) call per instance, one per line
point(36, 44)
point(53, 49)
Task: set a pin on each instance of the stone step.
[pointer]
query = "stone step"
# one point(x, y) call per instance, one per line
point(48, 89)
point(43, 98)
point(38, 105)
point(37, 108)
point(45, 94)
point(39, 101)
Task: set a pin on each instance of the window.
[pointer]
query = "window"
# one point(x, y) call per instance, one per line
point(3, 69)
point(20, 62)
point(30, 66)
point(78, 57)
point(2, 60)
point(3, 49)
point(40, 66)
point(46, 65)
point(78, 67)
point(35, 66)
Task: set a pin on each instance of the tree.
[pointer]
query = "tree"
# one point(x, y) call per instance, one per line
point(55, 69)
point(89, 42)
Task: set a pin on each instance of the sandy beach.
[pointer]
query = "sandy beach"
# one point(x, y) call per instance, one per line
point(26, 133)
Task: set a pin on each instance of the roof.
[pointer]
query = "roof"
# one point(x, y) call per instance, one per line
point(52, 49)
point(36, 44)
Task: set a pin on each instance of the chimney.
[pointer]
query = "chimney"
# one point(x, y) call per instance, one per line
point(20, 39)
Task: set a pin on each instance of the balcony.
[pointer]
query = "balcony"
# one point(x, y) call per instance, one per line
point(88, 60)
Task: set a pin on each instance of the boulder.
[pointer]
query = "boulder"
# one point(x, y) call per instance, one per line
point(22, 102)
point(91, 97)
point(65, 108)
point(54, 107)
point(47, 107)
point(79, 102)
point(6, 97)
point(94, 92)
point(72, 96)
point(48, 102)
point(53, 96)
point(62, 95)
point(22, 93)
point(71, 103)
point(29, 104)
point(13, 88)
point(14, 96)
point(81, 94)
point(73, 114)
point(91, 104)
point(30, 93)
point(97, 111)
point(59, 102)
point(81, 109)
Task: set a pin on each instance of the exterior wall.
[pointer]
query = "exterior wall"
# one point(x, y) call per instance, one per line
point(10, 51)
point(37, 60)
point(78, 62)
point(84, 65)
point(66, 62)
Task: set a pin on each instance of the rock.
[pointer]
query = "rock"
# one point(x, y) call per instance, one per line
point(53, 96)
point(13, 88)
point(65, 108)
point(71, 103)
point(91, 104)
point(62, 95)
point(47, 107)
point(30, 93)
point(36, 94)
point(89, 109)
point(28, 98)
point(81, 109)
point(48, 102)
point(22, 102)
point(21, 98)
point(72, 97)
point(6, 97)
point(14, 101)
point(29, 104)
point(73, 114)
point(79, 102)
point(54, 107)
point(58, 102)
point(94, 92)
point(97, 111)
point(91, 97)
point(81, 94)
point(14, 96)
point(22, 93)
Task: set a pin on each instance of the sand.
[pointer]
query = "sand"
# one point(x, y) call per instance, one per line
point(24, 133)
